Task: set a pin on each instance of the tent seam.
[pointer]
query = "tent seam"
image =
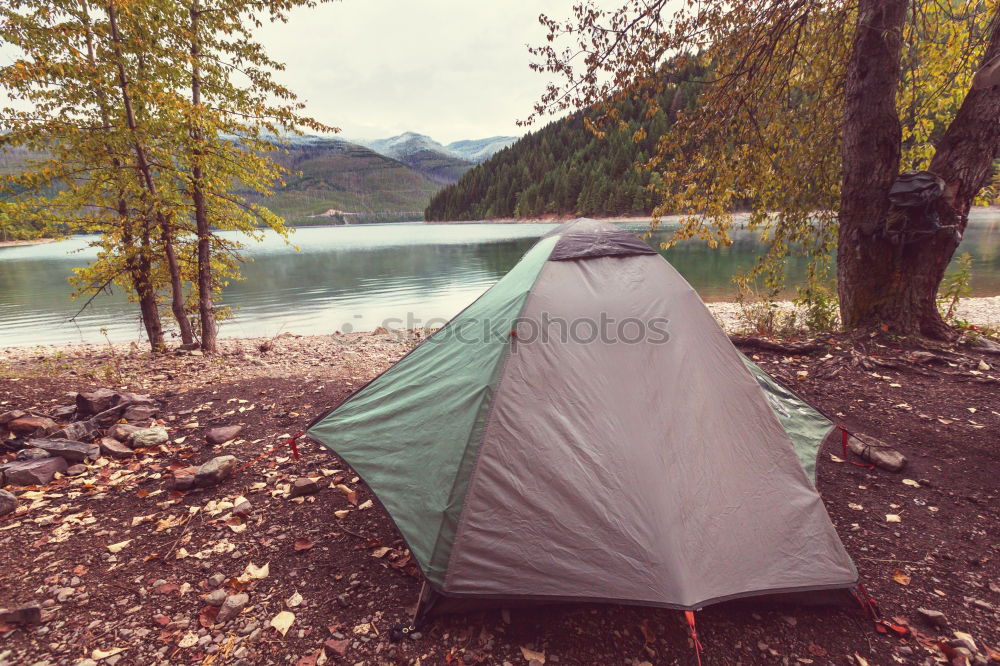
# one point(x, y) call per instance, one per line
point(486, 425)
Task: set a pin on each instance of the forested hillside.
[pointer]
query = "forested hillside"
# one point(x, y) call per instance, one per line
point(563, 169)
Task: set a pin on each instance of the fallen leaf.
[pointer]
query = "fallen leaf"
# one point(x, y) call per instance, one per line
point(207, 615)
point(817, 650)
point(861, 660)
point(911, 482)
point(856, 507)
point(381, 552)
point(367, 504)
point(892, 518)
point(303, 544)
point(188, 640)
point(282, 621)
point(99, 654)
point(341, 513)
point(351, 495)
point(117, 547)
point(835, 459)
point(253, 572)
point(294, 600)
point(530, 655)
point(900, 577)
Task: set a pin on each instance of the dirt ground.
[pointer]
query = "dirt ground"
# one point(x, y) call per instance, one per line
point(335, 563)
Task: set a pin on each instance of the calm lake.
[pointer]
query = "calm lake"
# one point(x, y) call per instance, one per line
point(362, 277)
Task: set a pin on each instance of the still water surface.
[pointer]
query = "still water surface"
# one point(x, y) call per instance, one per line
point(356, 278)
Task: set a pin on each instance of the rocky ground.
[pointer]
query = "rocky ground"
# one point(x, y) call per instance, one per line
point(160, 548)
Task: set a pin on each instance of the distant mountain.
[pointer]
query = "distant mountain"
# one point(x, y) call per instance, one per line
point(333, 181)
point(480, 150)
point(423, 154)
point(342, 181)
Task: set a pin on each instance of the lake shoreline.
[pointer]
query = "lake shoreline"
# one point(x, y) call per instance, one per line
point(979, 311)
point(29, 241)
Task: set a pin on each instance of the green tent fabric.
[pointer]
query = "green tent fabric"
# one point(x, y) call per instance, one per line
point(525, 455)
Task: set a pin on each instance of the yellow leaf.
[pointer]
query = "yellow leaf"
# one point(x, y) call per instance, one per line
point(532, 655)
point(282, 622)
point(117, 547)
point(900, 577)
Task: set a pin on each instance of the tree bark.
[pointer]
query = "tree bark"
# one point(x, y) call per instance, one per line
point(881, 283)
point(206, 304)
point(176, 284)
point(140, 265)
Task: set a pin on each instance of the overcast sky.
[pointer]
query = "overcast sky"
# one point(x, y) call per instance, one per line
point(452, 69)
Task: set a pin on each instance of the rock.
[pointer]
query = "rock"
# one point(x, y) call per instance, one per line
point(81, 431)
point(243, 509)
point(76, 470)
point(140, 412)
point(197, 352)
point(32, 426)
point(12, 415)
point(11, 445)
point(876, 452)
point(936, 618)
point(95, 402)
point(64, 594)
point(183, 479)
point(147, 437)
point(64, 413)
point(231, 607)
point(343, 600)
point(31, 453)
point(222, 434)
point(109, 417)
point(27, 614)
point(215, 471)
point(114, 448)
point(304, 486)
point(216, 580)
point(8, 502)
point(32, 472)
point(122, 431)
point(216, 597)
point(73, 452)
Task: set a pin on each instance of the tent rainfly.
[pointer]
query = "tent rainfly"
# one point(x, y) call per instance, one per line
point(527, 455)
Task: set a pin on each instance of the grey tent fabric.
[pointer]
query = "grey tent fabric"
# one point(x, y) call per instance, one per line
point(603, 442)
point(649, 473)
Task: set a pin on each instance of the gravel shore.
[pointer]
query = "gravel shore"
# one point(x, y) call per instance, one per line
point(351, 355)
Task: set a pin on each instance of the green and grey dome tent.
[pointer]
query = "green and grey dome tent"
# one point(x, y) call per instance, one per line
point(585, 431)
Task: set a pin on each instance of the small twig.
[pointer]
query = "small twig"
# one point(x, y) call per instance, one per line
point(187, 526)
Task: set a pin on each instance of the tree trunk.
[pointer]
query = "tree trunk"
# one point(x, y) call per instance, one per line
point(881, 283)
point(176, 285)
point(143, 272)
point(206, 304)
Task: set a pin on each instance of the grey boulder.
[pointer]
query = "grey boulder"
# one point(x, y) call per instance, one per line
point(215, 471)
point(32, 472)
point(222, 434)
point(231, 607)
point(12, 415)
point(31, 453)
point(122, 431)
point(876, 452)
point(8, 502)
point(114, 448)
point(81, 431)
point(304, 486)
point(147, 437)
point(141, 412)
point(73, 452)
point(31, 426)
point(95, 402)
point(27, 614)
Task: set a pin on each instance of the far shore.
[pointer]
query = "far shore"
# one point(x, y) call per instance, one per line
point(30, 241)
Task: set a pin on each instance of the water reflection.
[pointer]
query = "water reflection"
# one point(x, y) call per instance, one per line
point(359, 276)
